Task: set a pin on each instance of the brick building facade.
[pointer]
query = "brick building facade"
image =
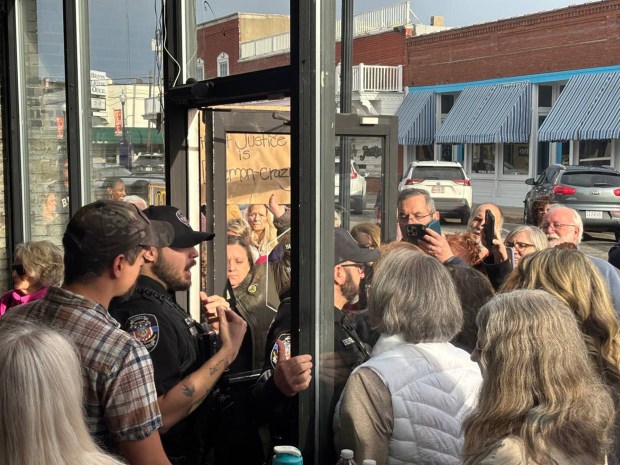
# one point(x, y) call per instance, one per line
point(583, 36)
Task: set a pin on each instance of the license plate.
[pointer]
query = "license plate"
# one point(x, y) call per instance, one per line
point(437, 190)
point(594, 215)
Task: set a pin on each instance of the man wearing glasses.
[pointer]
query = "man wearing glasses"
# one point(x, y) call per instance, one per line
point(562, 224)
point(415, 206)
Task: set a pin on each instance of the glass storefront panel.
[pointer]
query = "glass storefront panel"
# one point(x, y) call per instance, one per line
point(516, 159)
point(483, 158)
point(446, 152)
point(5, 282)
point(46, 188)
point(364, 179)
point(594, 152)
point(126, 101)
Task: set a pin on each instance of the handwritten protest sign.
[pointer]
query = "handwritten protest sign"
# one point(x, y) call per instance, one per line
point(258, 165)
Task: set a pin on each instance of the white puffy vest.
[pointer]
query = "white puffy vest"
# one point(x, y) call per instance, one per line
point(433, 387)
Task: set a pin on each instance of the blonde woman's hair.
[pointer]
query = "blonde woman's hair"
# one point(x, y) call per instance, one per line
point(413, 295)
point(42, 260)
point(571, 276)
point(265, 240)
point(537, 237)
point(41, 416)
point(538, 383)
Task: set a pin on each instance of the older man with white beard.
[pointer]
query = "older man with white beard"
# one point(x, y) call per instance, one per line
point(562, 224)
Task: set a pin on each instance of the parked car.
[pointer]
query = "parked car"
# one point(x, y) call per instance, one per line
point(109, 171)
point(446, 182)
point(594, 191)
point(149, 163)
point(358, 187)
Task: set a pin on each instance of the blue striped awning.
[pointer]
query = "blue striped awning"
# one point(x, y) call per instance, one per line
point(416, 119)
point(489, 114)
point(588, 109)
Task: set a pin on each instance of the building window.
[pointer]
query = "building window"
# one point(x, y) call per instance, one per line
point(424, 152)
point(200, 69)
point(543, 150)
point(446, 152)
point(483, 158)
point(516, 159)
point(222, 65)
point(594, 152)
point(545, 96)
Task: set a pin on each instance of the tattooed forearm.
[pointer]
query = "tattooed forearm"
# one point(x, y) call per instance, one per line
point(189, 390)
point(197, 402)
point(214, 369)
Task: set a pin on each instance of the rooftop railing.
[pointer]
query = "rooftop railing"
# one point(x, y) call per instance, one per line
point(374, 78)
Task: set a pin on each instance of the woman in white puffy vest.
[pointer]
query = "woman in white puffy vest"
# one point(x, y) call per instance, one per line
point(407, 403)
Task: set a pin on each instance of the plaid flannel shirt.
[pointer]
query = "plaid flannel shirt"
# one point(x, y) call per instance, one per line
point(120, 398)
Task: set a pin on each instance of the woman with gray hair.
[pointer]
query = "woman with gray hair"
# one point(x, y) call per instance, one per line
point(406, 404)
point(41, 392)
point(525, 240)
point(37, 266)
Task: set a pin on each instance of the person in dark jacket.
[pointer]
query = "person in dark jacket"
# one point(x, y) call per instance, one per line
point(184, 372)
point(284, 376)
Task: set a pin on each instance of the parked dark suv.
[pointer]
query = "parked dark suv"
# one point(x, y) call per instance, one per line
point(594, 191)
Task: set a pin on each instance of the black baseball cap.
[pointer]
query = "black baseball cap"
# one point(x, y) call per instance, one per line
point(346, 249)
point(107, 228)
point(184, 235)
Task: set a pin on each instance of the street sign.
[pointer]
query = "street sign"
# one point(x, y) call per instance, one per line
point(98, 83)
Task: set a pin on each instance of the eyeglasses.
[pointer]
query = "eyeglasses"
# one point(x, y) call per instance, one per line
point(556, 225)
point(518, 245)
point(360, 266)
point(19, 269)
point(417, 217)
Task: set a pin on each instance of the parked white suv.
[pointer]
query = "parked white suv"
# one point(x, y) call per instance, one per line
point(447, 183)
point(358, 187)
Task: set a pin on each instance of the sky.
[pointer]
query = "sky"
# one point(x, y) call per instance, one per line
point(455, 12)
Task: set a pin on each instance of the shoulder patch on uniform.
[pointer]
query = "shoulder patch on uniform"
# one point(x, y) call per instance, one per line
point(286, 339)
point(145, 329)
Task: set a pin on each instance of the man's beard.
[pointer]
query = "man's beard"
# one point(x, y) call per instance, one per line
point(349, 289)
point(166, 273)
point(553, 240)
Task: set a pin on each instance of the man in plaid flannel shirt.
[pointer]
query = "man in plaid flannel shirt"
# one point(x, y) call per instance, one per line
point(104, 247)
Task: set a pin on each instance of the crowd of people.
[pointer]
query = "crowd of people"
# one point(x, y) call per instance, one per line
point(472, 347)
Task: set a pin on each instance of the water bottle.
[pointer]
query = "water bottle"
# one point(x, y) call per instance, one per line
point(346, 457)
point(287, 455)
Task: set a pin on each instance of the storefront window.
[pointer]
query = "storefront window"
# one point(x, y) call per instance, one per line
point(4, 276)
point(446, 152)
point(46, 188)
point(595, 152)
point(564, 152)
point(483, 158)
point(424, 152)
point(516, 159)
point(543, 150)
point(126, 100)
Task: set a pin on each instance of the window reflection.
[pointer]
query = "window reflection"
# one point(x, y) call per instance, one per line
point(45, 156)
point(127, 145)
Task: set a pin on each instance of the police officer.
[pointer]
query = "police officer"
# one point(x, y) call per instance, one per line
point(185, 363)
point(283, 376)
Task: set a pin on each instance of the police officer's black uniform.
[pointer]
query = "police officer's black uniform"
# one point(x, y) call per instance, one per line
point(171, 337)
point(276, 408)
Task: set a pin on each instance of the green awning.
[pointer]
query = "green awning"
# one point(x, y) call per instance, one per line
point(134, 136)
